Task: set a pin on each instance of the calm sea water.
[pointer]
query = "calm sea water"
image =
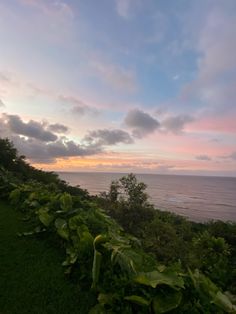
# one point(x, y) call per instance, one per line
point(197, 198)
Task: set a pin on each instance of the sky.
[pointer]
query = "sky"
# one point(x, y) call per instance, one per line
point(143, 86)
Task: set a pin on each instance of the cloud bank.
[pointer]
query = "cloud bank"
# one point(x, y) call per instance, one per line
point(141, 123)
point(78, 106)
point(176, 124)
point(109, 137)
point(42, 142)
point(203, 157)
point(31, 129)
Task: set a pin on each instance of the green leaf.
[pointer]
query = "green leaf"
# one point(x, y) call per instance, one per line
point(34, 204)
point(163, 303)
point(72, 256)
point(45, 217)
point(207, 288)
point(75, 222)
point(155, 278)
point(231, 296)
point(86, 241)
point(96, 267)
point(98, 309)
point(125, 257)
point(37, 230)
point(66, 202)
point(15, 196)
point(62, 228)
point(222, 301)
point(138, 300)
point(99, 239)
point(106, 298)
point(81, 230)
point(60, 223)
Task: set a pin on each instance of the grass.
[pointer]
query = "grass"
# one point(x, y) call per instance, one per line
point(31, 276)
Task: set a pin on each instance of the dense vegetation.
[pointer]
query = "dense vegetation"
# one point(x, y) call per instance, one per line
point(134, 258)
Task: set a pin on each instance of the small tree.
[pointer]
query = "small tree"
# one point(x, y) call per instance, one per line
point(8, 154)
point(128, 203)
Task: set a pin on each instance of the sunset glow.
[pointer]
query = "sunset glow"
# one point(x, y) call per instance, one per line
point(120, 85)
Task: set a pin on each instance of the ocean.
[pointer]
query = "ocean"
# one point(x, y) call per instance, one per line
point(197, 198)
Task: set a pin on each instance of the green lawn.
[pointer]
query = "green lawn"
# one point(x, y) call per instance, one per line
point(31, 275)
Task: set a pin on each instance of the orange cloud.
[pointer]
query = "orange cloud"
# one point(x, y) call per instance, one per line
point(126, 163)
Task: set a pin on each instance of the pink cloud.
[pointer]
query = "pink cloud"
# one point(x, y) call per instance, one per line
point(225, 124)
point(188, 146)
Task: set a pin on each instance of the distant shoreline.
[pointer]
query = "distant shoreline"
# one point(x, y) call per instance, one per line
point(145, 173)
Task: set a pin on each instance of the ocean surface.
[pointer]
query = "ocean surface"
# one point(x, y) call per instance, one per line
point(197, 198)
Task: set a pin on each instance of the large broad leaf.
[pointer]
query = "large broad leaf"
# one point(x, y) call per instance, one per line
point(222, 301)
point(96, 267)
point(45, 217)
point(206, 287)
point(98, 309)
point(62, 228)
point(125, 257)
point(15, 196)
point(232, 297)
point(155, 278)
point(202, 283)
point(163, 303)
point(138, 300)
point(81, 230)
point(106, 298)
point(86, 243)
point(66, 202)
point(99, 239)
point(75, 222)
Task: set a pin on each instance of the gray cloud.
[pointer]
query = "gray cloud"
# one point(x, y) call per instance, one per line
point(38, 144)
point(232, 156)
point(203, 157)
point(67, 148)
point(78, 106)
point(176, 124)
point(33, 149)
point(108, 137)
point(41, 152)
point(141, 123)
point(30, 129)
point(58, 128)
point(215, 140)
point(80, 110)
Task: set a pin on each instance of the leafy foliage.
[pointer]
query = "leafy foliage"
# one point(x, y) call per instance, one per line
point(102, 248)
point(125, 278)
